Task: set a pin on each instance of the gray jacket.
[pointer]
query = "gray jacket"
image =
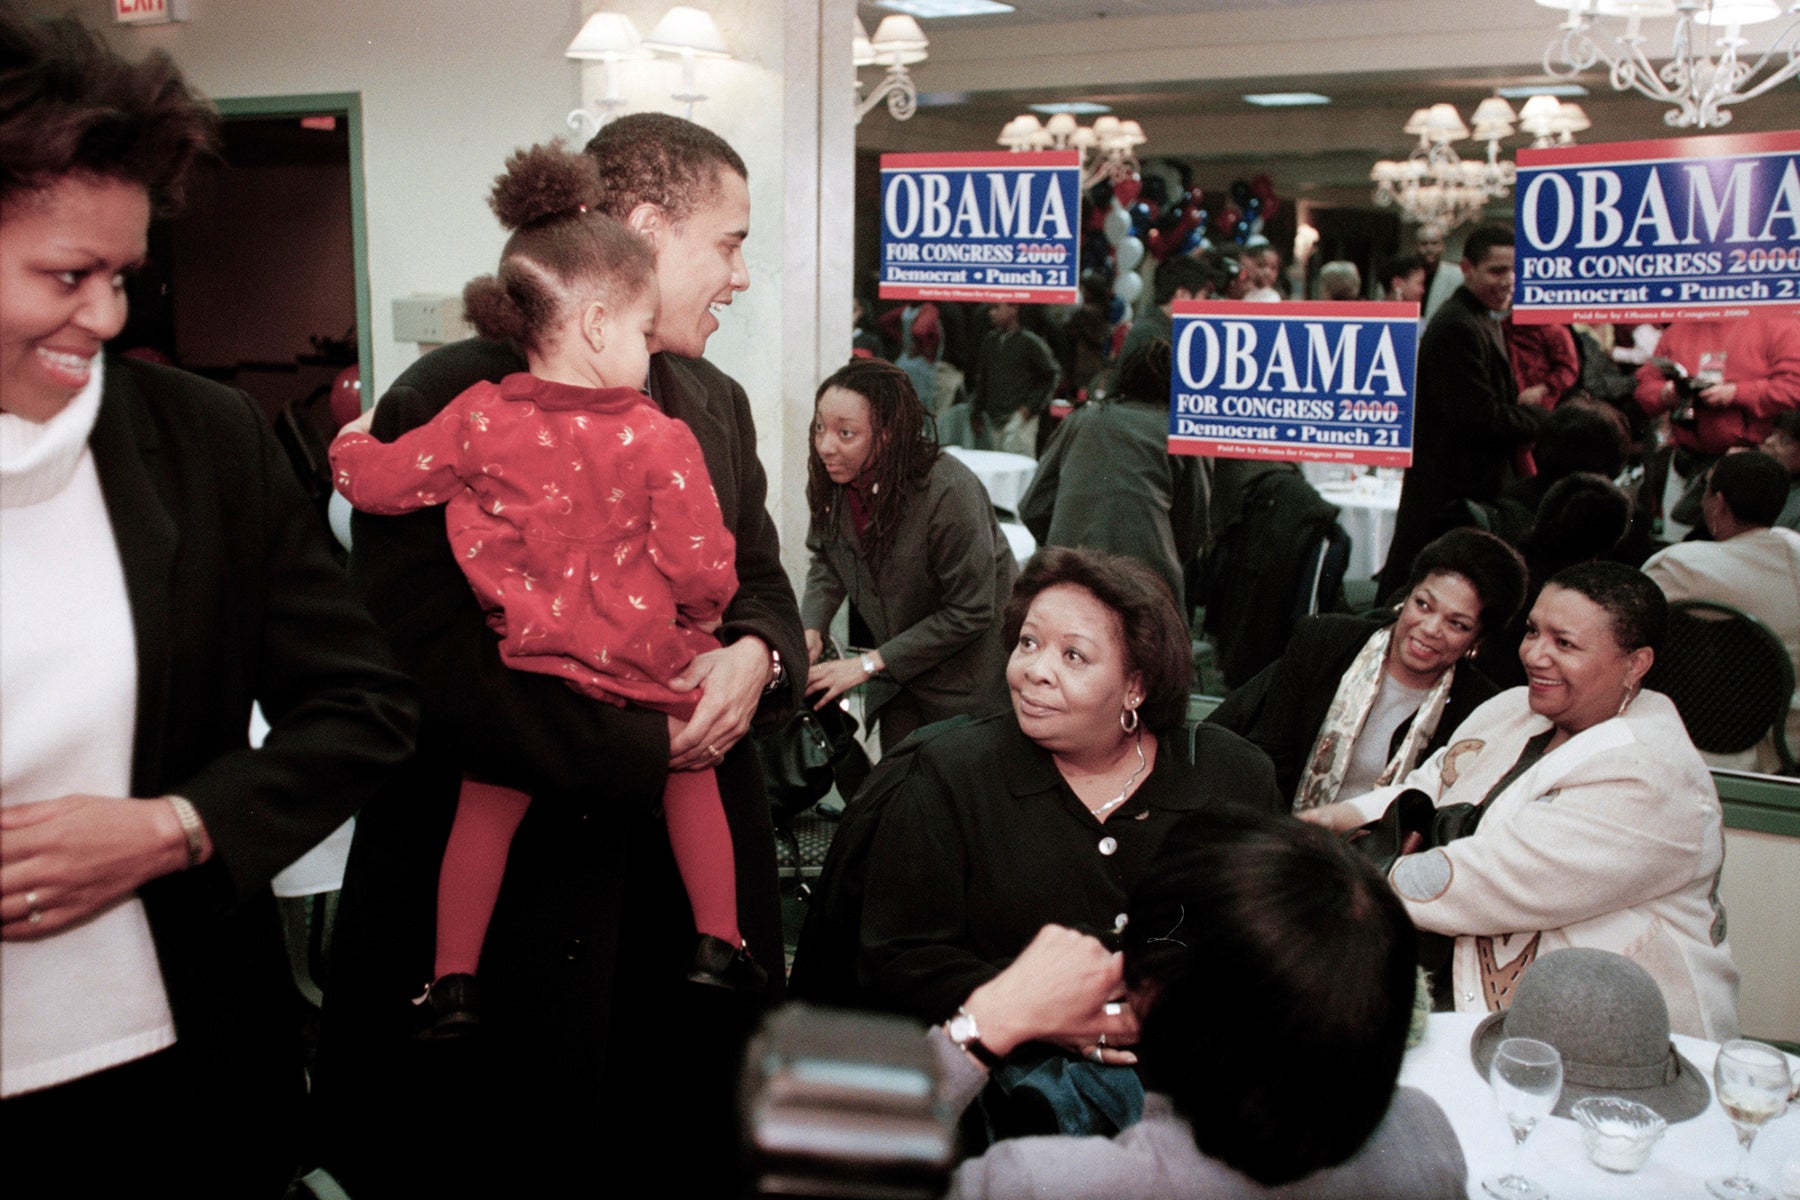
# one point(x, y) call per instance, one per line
point(934, 605)
point(1412, 1155)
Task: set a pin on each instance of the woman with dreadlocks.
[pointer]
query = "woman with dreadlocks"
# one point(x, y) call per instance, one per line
point(906, 533)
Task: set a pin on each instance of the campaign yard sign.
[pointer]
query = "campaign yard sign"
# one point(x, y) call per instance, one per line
point(1659, 231)
point(1330, 382)
point(985, 226)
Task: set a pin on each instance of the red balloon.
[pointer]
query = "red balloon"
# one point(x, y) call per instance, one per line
point(346, 396)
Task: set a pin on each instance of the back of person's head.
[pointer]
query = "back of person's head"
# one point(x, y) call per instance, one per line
point(1493, 568)
point(564, 249)
point(1634, 605)
point(1753, 486)
point(1484, 237)
point(1277, 969)
point(1581, 435)
point(655, 158)
point(1340, 280)
point(1399, 267)
point(1582, 516)
point(69, 106)
point(1151, 627)
point(1144, 373)
point(1096, 290)
point(1185, 273)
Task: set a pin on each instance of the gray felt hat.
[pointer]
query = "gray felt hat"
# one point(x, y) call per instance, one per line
point(1608, 1020)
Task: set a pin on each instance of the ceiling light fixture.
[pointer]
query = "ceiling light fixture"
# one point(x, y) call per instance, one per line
point(1287, 99)
point(928, 9)
point(1699, 79)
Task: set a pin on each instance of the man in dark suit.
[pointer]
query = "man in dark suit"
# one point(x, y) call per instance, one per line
point(1466, 419)
point(592, 1047)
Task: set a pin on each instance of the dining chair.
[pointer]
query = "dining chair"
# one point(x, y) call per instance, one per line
point(1729, 676)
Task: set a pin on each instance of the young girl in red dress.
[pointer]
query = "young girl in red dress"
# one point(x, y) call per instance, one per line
point(585, 521)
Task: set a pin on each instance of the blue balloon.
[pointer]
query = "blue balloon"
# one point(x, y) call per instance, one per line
point(1194, 241)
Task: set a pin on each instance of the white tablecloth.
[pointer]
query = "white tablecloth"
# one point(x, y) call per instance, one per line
point(1367, 515)
point(1689, 1153)
point(1006, 476)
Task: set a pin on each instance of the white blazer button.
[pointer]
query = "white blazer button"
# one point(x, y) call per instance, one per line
point(1108, 845)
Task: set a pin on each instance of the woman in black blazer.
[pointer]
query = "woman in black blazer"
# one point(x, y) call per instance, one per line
point(1343, 675)
point(160, 571)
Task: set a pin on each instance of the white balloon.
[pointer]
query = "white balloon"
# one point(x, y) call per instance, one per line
point(1128, 287)
point(1117, 224)
point(1131, 252)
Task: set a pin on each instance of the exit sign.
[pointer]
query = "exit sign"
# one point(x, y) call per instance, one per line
point(149, 12)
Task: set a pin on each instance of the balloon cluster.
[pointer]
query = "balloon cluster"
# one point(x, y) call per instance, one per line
point(1119, 225)
point(1249, 204)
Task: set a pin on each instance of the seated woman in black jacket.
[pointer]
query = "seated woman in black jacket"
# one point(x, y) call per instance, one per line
point(1356, 702)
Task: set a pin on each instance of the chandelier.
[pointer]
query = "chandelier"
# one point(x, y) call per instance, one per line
point(1434, 185)
point(1699, 79)
point(1551, 122)
point(1108, 147)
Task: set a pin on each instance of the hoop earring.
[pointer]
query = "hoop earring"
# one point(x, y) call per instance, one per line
point(1624, 703)
point(1128, 721)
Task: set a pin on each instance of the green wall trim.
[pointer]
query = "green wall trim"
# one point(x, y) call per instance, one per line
point(347, 105)
point(1760, 803)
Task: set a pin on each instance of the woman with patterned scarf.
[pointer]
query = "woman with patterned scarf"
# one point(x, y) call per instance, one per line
point(1356, 702)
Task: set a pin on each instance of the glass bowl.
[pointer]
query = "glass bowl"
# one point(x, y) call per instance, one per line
point(1618, 1133)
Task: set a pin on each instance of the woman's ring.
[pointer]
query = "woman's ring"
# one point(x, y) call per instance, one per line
point(1103, 1040)
point(1096, 1055)
point(712, 751)
point(37, 918)
point(1113, 1008)
point(31, 899)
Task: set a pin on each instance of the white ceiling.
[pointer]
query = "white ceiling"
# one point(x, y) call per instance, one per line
point(1180, 67)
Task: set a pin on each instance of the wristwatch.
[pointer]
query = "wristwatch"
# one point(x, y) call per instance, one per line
point(967, 1037)
point(868, 666)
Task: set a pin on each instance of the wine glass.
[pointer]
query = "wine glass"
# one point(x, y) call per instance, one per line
point(1527, 1076)
point(1752, 1083)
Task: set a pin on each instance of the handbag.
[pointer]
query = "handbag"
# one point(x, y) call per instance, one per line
point(1412, 824)
point(806, 754)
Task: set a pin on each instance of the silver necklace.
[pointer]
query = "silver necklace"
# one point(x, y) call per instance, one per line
point(1126, 790)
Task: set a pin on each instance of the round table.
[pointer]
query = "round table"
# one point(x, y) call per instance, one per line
point(1690, 1152)
point(1366, 511)
point(1005, 476)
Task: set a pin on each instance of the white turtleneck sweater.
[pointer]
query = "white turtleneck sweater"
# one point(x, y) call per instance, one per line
point(90, 996)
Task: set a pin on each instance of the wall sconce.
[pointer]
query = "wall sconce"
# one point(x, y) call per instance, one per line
point(607, 38)
point(689, 33)
point(897, 44)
